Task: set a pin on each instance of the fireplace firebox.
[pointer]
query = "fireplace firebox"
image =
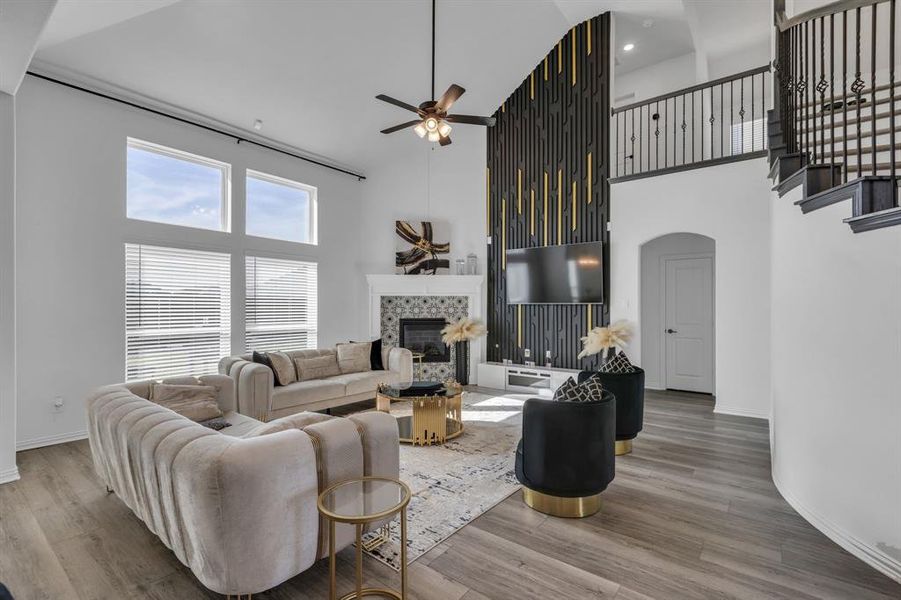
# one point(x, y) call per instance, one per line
point(424, 336)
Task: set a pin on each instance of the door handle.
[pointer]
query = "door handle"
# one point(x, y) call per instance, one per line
point(671, 331)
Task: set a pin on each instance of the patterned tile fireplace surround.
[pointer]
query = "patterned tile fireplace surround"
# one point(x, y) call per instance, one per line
point(393, 298)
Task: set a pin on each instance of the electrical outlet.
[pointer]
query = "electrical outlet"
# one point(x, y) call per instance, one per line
point(58, 404)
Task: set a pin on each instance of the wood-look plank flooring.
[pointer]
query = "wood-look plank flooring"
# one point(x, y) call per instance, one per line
point(692, 513)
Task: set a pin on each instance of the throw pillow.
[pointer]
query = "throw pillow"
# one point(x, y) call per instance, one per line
point(618, 364)
point(375, 355)
point(319, 367)
point(195, 402)
point(571, 391)
point(263, 359)
point(594, 387)
point(283, 367)
point(354, 357)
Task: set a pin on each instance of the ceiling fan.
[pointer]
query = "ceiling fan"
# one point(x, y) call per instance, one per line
point(434, 122)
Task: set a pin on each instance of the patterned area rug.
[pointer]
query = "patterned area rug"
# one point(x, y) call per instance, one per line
point(455, 483)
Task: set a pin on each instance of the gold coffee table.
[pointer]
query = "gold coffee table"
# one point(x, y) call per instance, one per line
point(435, 419)
point(358, 502)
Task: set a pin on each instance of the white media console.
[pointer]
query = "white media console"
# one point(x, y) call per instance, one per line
point(522, 379)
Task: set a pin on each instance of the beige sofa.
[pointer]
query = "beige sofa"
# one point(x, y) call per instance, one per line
point(258, 397)
point(237, 507)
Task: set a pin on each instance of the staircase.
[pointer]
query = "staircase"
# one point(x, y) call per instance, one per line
point(833, 129)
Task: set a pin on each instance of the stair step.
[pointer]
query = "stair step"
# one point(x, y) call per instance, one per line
point(864, 150)
point(786, 164)
point(864, 192)
point(875, 220)
point(812, 178)
point(863, 134)
point(864, 119)
point(867, 165)
point(865, 93)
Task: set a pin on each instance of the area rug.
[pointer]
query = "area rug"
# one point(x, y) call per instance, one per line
point(454, 483)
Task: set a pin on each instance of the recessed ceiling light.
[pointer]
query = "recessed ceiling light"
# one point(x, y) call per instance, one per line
point(628, 47)
point(258, 125)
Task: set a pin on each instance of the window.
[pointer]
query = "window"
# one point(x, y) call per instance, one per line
point(169, 186)
point(748, 136)
point(280, 209)
point(282, 301)
point(177, 311)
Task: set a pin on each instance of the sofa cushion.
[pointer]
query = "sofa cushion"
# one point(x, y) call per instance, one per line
point(318, 367)
point(305, 392)
point(368, 381)
point(196, 402)
point(295, 421)
point(354, 357)
point(239, 425)
point(283, 365)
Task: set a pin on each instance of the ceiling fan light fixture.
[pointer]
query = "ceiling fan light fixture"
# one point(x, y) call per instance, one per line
point(444, 129)
point(434, 136)
point(431, 124)
point(420, 130)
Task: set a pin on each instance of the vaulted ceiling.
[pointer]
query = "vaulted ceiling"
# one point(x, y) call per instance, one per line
point(310, 70)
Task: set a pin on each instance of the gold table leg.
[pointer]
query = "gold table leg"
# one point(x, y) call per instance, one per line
point(332, 592)
point(359, 560)
point(403, 553)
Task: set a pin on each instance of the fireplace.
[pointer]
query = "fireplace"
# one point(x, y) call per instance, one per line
point(424, 336)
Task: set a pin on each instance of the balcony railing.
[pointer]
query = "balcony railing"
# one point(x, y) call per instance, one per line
point(719, 121)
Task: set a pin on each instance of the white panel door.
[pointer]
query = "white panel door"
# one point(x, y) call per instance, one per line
point(688, 324)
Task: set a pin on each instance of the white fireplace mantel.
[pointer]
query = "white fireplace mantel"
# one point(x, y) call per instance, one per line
point(429, 285)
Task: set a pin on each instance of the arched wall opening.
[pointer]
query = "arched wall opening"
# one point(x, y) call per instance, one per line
point(677, 312)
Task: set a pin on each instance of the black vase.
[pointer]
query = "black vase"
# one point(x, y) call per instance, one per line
point(462, 363)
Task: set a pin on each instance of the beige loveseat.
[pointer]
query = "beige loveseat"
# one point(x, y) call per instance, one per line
point(237, 507)
point(259, 397)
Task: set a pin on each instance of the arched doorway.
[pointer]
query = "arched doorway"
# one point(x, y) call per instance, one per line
point(677, 312)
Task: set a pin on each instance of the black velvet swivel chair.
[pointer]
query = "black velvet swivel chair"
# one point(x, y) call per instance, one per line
point(565, 457)
point(629, 391)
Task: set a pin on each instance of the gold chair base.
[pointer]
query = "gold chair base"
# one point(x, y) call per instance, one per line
point(560, 506)
point(623, 447)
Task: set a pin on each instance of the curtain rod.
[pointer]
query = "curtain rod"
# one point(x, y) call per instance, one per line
point(237, 138)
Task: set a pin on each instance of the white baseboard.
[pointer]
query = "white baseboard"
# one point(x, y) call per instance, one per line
point(50, 440)
point(740, 412)
point(876, 558)
point(9, 475)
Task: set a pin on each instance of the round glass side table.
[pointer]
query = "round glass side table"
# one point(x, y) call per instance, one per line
point(358, 502)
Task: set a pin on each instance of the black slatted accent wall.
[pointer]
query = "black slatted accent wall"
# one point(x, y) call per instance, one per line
point(547, 184)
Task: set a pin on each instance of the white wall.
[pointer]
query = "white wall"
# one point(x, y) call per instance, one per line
point(71, 228)
point(836, 351)
point(418, 181)
point(727, 203)
point(652, 297)
point(660, 78)
point(8, 471)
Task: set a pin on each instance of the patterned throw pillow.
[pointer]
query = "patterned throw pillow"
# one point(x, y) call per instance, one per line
point(618, 364)
point(571, 391)
point(594, 387)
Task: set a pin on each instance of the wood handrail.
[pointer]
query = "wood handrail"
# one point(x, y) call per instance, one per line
point(784, 23)
point(694, 88)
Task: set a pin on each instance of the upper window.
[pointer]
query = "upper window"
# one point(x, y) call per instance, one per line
point(280, 209)
point(177, 311)
point(174, 187)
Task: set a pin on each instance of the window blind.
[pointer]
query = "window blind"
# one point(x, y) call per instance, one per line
point(177, 311)
point(282, 304)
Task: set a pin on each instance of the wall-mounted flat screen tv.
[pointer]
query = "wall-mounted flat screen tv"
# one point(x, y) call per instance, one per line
point(567, 274)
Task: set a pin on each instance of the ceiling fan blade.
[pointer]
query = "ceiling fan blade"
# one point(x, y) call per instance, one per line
point(452, 94)
point(471, 120)
point(445, 141)
point(401, 126)
point(397, 102)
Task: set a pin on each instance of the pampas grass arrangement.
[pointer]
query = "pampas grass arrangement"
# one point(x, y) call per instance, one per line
point(463, 330)
point(599, 339)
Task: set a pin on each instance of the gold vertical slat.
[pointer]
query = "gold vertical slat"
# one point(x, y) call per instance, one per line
point(519, 325)
point(588, 35)
point(503, 233)
point(519, 191)
point(545, 213)
point(573, 46)
point(560, 56)
point(545, 67)
point(588, 201)
point(559, 206)
point(504, 106)
point(532, 217)
point(532, 85)
point(574, 204)
point(590, 323)
point(488, 200)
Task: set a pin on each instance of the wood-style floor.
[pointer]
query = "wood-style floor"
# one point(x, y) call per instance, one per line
point(692, 513)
